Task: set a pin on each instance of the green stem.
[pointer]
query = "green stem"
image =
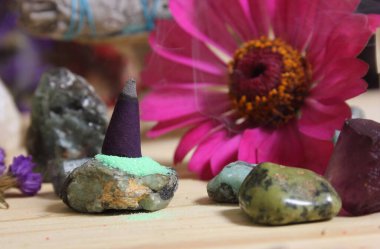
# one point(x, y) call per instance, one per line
point(6, 182)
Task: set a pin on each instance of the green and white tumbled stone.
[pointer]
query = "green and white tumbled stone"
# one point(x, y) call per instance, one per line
point(225, 186)
point(96, 187)
point(273, 194)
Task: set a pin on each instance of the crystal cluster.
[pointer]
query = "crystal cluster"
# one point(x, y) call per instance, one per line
point(68, 119)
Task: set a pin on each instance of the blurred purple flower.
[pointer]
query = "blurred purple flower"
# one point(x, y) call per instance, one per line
point(2, 161)
point(19, 53)
point(21, 168)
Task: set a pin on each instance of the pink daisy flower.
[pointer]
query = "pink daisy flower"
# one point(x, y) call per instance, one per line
point(255, 80)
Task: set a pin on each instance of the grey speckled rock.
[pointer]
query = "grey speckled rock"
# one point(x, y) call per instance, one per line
point(94, 188)
point(277, 195)
point(225, 186)
point(59, 170)
point(68, 119)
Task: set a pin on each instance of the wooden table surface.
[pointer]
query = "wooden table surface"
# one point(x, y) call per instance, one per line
point(190, 221)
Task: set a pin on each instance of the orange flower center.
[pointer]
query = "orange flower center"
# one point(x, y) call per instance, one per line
point(268, 81)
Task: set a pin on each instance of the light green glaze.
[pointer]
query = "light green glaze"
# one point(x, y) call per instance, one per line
point(277, 195)
point(147, 216)
point(141, 166)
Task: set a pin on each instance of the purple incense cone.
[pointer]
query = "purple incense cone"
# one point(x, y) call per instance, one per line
point(123, 133)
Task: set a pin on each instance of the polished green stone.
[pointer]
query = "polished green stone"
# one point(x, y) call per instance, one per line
point(225, 186)
point(273, 194)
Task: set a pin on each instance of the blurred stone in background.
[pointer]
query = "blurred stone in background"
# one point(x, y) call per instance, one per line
point(369, 53)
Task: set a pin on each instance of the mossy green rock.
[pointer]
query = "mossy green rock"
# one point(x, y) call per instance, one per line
point(59, 169)
point(224, 187)
point(95, 188)
point(273, 194)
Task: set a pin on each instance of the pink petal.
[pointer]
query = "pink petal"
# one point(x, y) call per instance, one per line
point(250, 143)
point(173, 124)
point(258, 15)
point(340, 70)
point(349, 38)
point(285, 146)
point(340, 80)
point(339, 92)
point(203, 21)
point(320, 120)
point(230, 17)
point(282, 145)
point(333, 31)
point(171, 54)
point(299, 22)
point(317, 154)
point(200, 161)
point(159, 71)
point(325, 23)
point(339, 5)
point(226, 154)
point(374, 22)
point(172, 42)
point(173, 101)
point(294, 21)
point(192, 138)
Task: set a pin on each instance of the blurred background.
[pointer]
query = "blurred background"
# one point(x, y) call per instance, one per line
point(24, 57)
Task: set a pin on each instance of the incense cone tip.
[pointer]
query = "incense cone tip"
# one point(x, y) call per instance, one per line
point(130, 88)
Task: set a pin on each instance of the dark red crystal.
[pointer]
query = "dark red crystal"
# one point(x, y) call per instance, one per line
point(354, 168)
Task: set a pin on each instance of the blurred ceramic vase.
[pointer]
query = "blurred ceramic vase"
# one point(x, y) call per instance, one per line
point(10, 121)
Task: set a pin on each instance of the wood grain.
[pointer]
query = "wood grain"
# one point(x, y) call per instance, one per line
point(191, 220)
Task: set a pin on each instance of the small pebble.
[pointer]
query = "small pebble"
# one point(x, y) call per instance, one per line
point(95, 188)
point(225, 186)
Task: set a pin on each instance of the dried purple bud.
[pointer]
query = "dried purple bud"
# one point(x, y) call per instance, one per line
point(21, 166)
point(31, 184)
point(28, 182)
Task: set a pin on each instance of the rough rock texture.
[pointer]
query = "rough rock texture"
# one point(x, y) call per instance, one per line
point(225, 186)
point(59, 170)
point(277, 195)
point(354, 167)
point(95, 188)
point(68, 119)
point(10, 121)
